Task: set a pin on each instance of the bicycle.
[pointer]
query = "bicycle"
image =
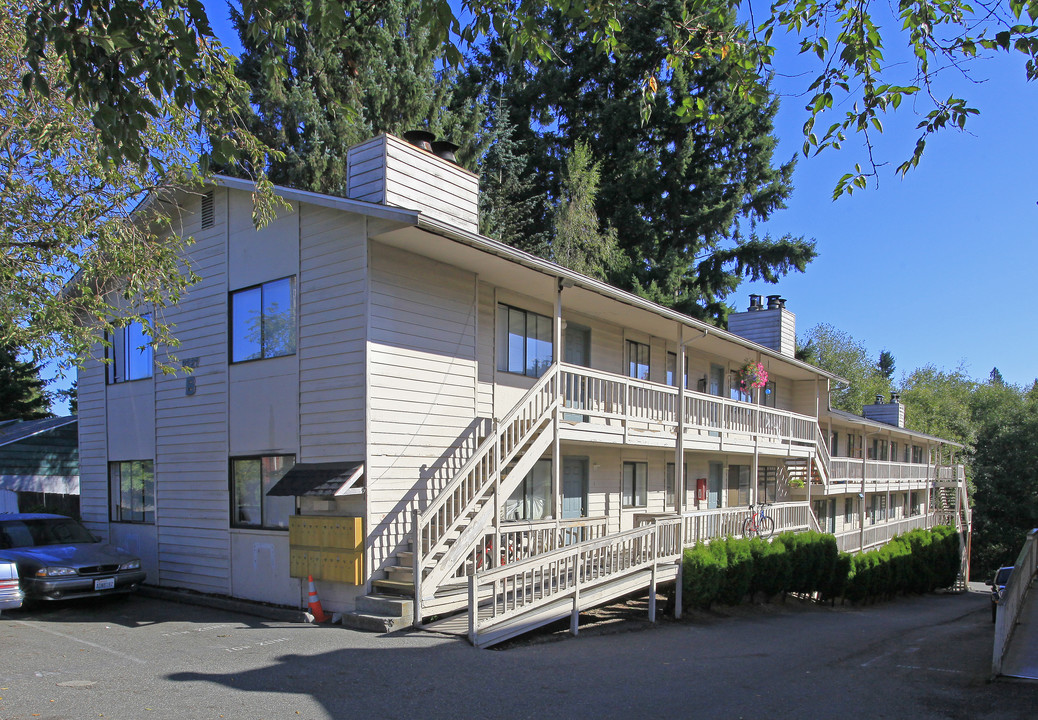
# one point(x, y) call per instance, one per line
point(759, 524)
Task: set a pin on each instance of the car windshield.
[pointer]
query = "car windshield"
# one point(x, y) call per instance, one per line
point(1003, 576)
point(42, 531)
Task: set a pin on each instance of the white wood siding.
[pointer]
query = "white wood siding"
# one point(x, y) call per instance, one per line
point(93, 446)
point(390, 171)
point(332, 292)
point(191, 470)
point(422, 377)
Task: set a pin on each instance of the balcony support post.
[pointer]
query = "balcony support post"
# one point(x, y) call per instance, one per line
point(556, 447)
point(679, 415)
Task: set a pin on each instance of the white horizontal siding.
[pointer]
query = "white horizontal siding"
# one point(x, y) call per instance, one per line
point(191, 471)
point(422, 377)
point(93, 446)
point(332, 299)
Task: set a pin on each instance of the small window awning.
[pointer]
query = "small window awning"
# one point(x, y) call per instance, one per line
point(321, 480)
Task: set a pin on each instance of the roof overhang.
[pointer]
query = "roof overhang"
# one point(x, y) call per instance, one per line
point(850, 418)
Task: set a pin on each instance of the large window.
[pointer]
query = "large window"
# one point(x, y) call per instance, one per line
point(524, 341)
point(251, 478)
point(635, 483)
point(672, 370)
point(263, 321)
point(132, 488)
point(131, 353)
point(532, 499)
point(767, 483)
point(637, 360)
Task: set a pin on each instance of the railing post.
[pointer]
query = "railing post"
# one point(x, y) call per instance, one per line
point(416, 563)
point(473, 608)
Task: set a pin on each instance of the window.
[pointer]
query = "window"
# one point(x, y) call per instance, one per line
point(736, 391)
point(668, 488)
point(524, 341)
point(767, 483)
point(263, 321)
point(917, 454)
point(893, 451)
point(672, 370)
point(768, 395)
point(834, 445)
point(637, 360)
point(532, 499)
point(131, 353)
point(635, 481)
point(132, 489)
point(738, 484)
point(848, 510)
point(251, 478)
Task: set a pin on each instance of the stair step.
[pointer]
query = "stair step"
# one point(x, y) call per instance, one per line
point(406, 558)
point(374, 623)
point(395, 586)
point(379, 604)
point(398, 572)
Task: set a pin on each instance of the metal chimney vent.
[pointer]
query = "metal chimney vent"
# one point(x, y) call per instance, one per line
point(420, 138)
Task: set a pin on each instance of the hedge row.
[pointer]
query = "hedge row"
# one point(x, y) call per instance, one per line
point(727, 570)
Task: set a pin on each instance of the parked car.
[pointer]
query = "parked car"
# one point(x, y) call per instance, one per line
point(998, 587)
point(10, 592)
point(59, 559)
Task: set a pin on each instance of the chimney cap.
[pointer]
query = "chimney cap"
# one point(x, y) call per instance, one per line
point(755, 303)
point(879, 399)
point(895, 397)
point(420, 138)
point(445, 149)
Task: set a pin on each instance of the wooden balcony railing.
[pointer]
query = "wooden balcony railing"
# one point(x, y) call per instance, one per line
point(593, 393)
point(849, 470)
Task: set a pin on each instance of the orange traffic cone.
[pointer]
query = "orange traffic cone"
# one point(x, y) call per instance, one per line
point(315, 603)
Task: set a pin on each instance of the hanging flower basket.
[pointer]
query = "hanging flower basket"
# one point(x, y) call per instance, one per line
point(753, 375)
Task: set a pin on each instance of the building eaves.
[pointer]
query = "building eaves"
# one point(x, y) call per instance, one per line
point(860, 420)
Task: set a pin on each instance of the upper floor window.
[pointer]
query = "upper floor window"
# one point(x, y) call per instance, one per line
point(131, 353)
point(132, 488)
point(672, 370)
point(917, 454)
point(524, 341)
point(251, 478)
point(637, 360)
point(263, 321)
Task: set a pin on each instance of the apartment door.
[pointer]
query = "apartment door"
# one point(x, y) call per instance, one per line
point(716, 387)
point(577, 351)
point(574, 487)
point(715, 483)
point(831, 518)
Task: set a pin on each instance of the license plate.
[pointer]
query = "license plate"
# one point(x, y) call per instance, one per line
point(105, 584)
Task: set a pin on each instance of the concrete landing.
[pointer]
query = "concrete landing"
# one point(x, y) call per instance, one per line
point(1021, 658)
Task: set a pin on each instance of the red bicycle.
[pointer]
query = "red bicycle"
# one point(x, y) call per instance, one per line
point(758, 524)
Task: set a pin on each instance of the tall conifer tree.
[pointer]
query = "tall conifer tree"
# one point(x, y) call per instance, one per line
point(22, 392)
point(378, 74)
point(682, 196)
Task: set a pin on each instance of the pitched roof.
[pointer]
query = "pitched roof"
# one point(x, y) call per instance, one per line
point(15, 430)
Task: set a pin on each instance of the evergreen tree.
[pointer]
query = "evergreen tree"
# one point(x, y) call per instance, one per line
point(22, 390)
point(677, 193)
point(377, 72)
point(996, 377)
point(885, 365)
point(509, 204)
point(579, 242)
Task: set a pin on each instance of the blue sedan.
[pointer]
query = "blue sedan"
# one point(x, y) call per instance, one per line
point(59, 559)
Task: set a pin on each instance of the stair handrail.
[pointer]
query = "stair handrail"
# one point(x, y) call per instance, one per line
point(590, 563)
point(822, 448)
point(485, 447)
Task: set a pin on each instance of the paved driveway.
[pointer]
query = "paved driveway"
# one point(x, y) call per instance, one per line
point(926, 657)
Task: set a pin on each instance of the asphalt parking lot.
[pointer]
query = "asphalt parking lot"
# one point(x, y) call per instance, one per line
point(923, 657)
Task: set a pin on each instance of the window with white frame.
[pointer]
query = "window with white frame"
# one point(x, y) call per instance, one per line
point(668, 488)
point(524, 341)
point(637, 360)
point(672, 370)
point(130, 352)
point(251, 479)
point(532, 499)
point(635, 484)
point(132, 491)
point(767, 483)
point(263, 321)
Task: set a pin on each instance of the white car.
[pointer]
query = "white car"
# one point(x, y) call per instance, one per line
point(10, 592)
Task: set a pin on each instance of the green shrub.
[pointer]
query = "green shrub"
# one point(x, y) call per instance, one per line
point(701, 575)
point(771, 566)
point(739, 574)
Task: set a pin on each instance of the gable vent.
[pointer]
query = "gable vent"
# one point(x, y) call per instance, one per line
point(208, 210)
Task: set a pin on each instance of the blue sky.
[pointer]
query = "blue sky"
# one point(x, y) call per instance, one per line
point(936, 267)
